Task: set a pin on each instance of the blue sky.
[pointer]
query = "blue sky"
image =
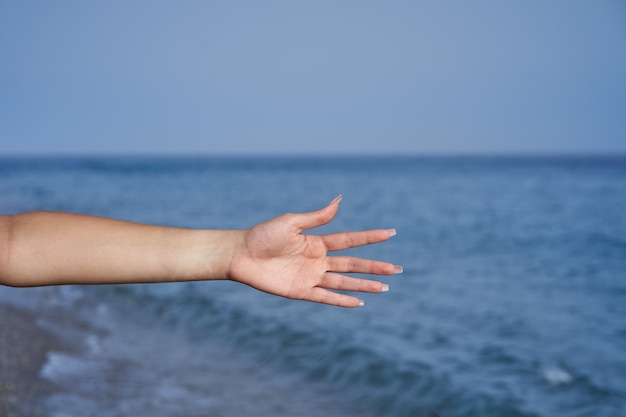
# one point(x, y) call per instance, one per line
point(313, 77)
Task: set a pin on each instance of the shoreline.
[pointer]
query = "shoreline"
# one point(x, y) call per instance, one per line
point(24, 348)
point(53, 360)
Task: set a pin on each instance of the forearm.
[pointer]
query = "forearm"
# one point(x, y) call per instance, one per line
point(47, 248)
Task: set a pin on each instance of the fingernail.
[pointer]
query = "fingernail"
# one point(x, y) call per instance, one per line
point(361, 303)
point(385, 288)
point(337, 199)
point(397, 269)
point(392, 232)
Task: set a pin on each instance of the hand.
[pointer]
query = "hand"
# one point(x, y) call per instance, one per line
point(275, 257)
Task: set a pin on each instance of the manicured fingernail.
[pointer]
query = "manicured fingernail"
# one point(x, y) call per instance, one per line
point(397, 269)
point(385, 288)
point(361, 303)
point(337, 199)
point(392, 232)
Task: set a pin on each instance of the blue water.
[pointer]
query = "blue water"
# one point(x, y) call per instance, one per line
point(512, 302)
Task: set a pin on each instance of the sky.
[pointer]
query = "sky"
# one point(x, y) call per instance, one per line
point(312, 77)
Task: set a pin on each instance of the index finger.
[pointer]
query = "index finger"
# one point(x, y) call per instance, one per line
point(347, 240)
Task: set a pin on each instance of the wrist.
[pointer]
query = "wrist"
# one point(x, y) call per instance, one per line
point(219, 248)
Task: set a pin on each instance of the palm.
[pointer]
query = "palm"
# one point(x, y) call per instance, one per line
point(277, 258)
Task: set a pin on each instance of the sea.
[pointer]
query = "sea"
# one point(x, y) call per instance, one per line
point(512, 301)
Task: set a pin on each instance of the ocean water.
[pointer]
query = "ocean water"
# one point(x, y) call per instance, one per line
point(512, 303)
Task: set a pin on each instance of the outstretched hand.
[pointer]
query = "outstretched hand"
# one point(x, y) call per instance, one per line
point(52, 248)
point(277, 258)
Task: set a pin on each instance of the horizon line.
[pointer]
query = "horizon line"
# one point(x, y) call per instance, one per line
point(333, 155)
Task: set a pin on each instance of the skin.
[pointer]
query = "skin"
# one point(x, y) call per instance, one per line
point(53, 248)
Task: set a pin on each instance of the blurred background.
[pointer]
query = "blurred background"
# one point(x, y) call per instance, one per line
point(491, 135)
point(313, 77)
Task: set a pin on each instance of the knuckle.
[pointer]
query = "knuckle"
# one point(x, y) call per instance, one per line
point(351, 264)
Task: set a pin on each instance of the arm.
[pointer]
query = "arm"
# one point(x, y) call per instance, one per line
point(48, 248)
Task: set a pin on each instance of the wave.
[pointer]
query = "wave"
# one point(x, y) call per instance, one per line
point(381, 383)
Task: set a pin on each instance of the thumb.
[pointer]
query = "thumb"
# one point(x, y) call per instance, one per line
point(312, 219)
